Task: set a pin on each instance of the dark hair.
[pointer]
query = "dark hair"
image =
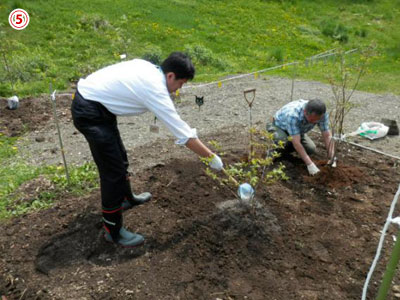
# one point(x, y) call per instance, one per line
point(179, 64)
point(315, 106)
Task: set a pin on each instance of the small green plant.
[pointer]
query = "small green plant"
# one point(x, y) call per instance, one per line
point(42, 201)
point(201, 55)
point(82, 178)
point(93, 22)
point(49, 183)
point(7, 148)
point(276, 54)
point(394, 52)
point(334, 30)
point(257, 169)
point(363, 32)
point(217, 147)
point(153, 54)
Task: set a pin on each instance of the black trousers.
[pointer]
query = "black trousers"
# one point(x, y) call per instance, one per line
point(99, 126)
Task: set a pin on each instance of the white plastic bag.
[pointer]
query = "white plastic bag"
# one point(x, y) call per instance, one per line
point(13, 102)
point(373, 130)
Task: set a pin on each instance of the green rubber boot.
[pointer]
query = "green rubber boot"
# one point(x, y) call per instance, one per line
point(126, 238)
point(136, 200)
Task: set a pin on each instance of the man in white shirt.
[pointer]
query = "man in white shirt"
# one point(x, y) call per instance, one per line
point(130, 88)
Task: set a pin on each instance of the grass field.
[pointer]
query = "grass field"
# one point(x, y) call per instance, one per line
point(66, 40)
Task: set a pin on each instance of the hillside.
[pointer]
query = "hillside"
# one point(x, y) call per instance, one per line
point(66, 40)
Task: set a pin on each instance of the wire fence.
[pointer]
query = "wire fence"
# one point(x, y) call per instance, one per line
point(314, 58)
point(307, 62)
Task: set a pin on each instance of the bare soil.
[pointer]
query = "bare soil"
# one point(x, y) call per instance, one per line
point(308, 237)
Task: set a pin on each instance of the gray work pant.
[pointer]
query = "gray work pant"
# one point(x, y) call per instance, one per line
point(282, 135)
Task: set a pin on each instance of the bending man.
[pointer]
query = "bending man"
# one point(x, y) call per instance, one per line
point(130, 88)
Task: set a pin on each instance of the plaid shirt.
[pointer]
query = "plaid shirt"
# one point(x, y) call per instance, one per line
point(291, 119)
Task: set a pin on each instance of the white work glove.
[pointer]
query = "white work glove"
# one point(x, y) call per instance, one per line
point(216, 163)
point(312, 169)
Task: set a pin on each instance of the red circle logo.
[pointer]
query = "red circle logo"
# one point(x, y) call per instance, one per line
point(18, 19)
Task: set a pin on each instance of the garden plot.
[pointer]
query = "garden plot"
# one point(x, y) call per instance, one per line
point(309, 238)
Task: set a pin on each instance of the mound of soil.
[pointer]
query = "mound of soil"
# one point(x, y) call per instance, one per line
point(32, 114)
point(307, 237)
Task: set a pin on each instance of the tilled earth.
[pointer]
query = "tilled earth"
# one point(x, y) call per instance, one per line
point(308, 237)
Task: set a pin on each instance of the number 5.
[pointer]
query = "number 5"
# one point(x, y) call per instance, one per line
point(19, 19)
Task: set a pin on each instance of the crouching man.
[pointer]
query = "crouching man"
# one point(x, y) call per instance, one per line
point(297, 118)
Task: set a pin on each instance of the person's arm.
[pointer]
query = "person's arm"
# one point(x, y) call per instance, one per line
point(311, 167)
point(155, 97)
point(326, 134)
point(199, 148)
point(293, 121)
point(202, 150)
point(162, 106)
point(329, 143)
point(296, 141)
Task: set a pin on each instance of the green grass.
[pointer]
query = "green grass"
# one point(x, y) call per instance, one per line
point(66, 40)
point(14, 172)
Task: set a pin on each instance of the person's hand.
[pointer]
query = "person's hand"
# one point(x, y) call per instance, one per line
point(216, 163)
point(312, 169)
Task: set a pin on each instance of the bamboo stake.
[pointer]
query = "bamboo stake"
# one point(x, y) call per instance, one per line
point(53, 98)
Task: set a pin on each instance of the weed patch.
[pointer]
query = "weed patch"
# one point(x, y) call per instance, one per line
point(24, 188)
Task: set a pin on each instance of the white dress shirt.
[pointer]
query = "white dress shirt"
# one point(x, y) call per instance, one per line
point(132, 88)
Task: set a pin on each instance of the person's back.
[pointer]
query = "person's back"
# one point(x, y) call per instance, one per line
point(294, 120)
point(123, 87)
point(290, 115)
